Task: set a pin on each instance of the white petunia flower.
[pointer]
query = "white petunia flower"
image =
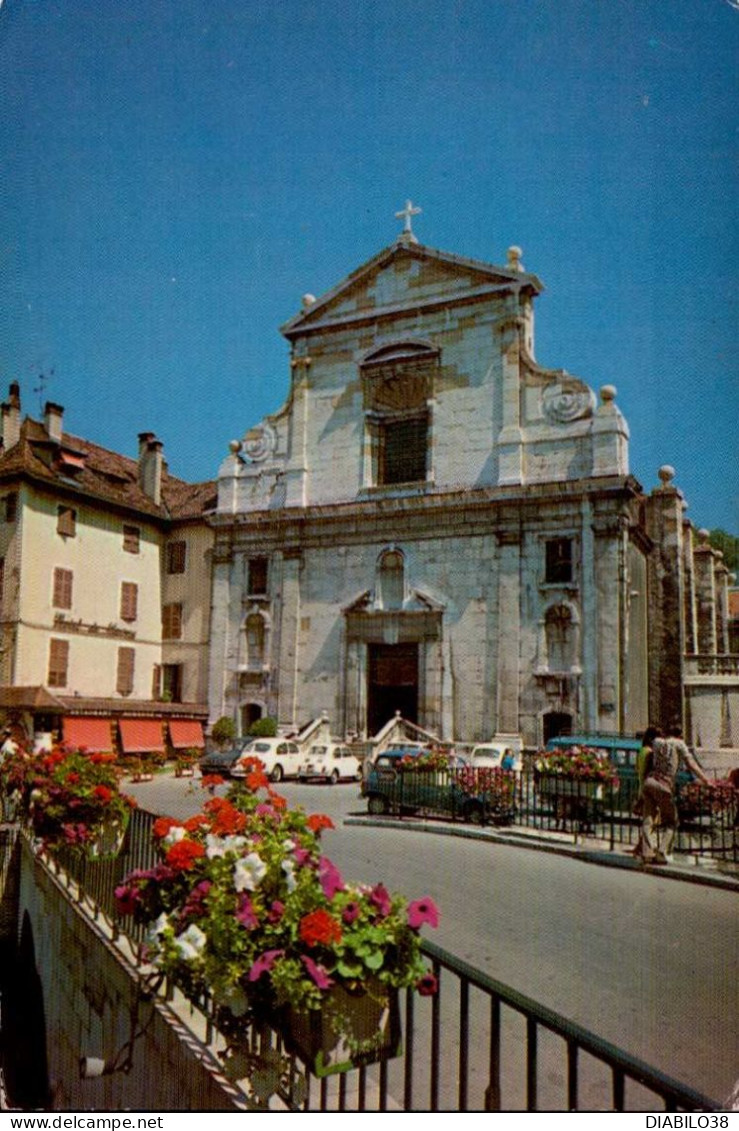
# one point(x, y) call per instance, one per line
point(177, 832)
point(288, 867)
point(190, 942)
point(249, 872)
point(220, 845)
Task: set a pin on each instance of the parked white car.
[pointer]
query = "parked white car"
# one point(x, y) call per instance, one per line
point(493, 753)
point(280, 757)
point(330, 763)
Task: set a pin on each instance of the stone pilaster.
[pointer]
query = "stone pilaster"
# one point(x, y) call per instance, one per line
point(510, 437)
point(296, 472)
point(704, 562)
point(220, 633)
point(664, 520)
point(289, 648)
point(509, 632)
point(589, 609)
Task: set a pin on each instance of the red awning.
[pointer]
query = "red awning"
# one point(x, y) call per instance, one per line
point(88, 734)
point(185, 733)
point(141, 736)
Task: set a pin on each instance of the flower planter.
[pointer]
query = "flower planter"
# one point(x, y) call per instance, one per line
point(559, 785)
point(183, 771)
point(349, 1031)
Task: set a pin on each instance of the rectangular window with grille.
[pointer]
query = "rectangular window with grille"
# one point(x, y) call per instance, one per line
point(176, 557)
point(129, 600)
point(58, 663)
point(257, 580)
point(11, 507)
point(403, 447)
point(558, 561)
point(66, 521)
point(62, 598)
point(131, 539)
point(172, 621)
point(124, 678)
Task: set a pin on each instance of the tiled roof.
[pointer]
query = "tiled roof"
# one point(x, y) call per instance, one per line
point(104, 475)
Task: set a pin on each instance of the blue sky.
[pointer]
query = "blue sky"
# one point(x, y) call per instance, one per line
point(175, 175)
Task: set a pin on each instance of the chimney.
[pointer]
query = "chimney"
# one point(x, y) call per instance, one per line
point(11, 417)
point(151, 463)
point(53, 414)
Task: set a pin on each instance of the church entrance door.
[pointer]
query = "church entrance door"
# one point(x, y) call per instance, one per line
point(556, 723)
point(392, 684)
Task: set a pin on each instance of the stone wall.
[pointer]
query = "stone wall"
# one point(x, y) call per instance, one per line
point(82, 991)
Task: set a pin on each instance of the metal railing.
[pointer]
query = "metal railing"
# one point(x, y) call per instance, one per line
point(476, 1045)
point(708, 824)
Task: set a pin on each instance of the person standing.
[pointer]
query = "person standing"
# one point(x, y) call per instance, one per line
point(658, 793)
point(643, 766)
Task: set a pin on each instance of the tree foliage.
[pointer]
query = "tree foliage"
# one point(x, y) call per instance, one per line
point(729, 545)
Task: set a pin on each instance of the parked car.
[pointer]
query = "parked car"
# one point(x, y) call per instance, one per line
point(222, 761)
point(280, 757)
point(330, 763)
point(459, 791)
point(493, 754)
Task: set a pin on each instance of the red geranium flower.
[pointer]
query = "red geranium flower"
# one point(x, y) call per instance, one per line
point(162, 826)
point(317, 821)
point(184, 853)
point(319, 927)
point(102, 793)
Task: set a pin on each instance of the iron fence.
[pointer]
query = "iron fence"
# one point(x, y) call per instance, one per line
point(476, 1045)
point(708, 820)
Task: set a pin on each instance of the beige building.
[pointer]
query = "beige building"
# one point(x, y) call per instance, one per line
point(436, 524)
point(105, 566)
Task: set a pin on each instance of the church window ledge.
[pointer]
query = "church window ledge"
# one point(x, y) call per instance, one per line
point(397, 490)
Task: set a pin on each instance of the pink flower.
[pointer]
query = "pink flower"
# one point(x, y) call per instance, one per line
point(276, 911)
point(302, 856)
point(125, 899)
point(317, 973)
point(381, 899)
point(350, 912)
point(264, 964)
point(423, 911)
point(330, 877)
point(427, 985)
point(245, 913)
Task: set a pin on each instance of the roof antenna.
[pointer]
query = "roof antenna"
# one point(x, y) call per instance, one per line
point(43, 378)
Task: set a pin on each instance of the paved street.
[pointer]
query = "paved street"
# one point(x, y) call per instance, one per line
point(645, 961)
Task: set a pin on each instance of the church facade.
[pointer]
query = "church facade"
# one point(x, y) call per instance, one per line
point(437, 525)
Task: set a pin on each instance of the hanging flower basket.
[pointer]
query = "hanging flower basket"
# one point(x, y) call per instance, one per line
point(245, 906)
point(352, 1029)
point(69, 799)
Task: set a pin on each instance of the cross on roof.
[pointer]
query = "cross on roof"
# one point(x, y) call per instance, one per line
point(406, 214)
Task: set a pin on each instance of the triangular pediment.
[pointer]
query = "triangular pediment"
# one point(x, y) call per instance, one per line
point(405, 275)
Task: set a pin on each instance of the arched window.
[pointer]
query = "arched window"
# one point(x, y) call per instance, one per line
point(398, 384)
point(256, 635)
point(391, 580)
point(561, 638)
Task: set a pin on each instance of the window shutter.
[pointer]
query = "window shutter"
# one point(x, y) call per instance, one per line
point(176, 557)
point(124, 682)
point(131, 539)
point(129, 600)
point(172, 621)
point(62, 589)
point(66, 524)
point(58, 662)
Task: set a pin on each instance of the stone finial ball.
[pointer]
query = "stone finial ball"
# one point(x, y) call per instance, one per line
point(514, 254)
point(308, 300)
point(608, 393)
point(666, 473)
point(235, 446)
point(704, 534)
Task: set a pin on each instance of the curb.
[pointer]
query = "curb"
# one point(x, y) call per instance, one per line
point(542, 842)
